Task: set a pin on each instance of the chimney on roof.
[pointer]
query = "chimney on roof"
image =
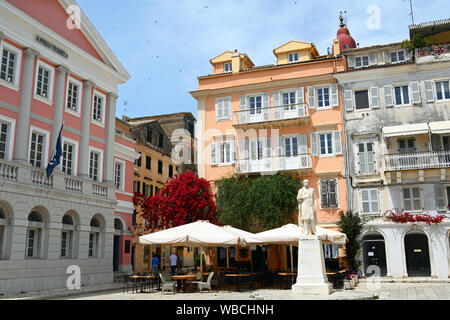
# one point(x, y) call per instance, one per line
point(125, 118)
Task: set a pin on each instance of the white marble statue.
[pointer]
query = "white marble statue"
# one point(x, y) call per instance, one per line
point(307, 209)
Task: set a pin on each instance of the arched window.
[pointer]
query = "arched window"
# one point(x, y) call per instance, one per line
point(34, 235)
point(67, 237)
point(2, 232)
point(118, 226)
point(94, 237)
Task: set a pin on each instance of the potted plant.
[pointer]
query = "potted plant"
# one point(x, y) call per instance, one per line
point(347, 284)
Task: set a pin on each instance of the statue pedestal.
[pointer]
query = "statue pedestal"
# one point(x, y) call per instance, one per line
point(312, 277)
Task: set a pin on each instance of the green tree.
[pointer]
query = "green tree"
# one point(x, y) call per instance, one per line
point(351, 224)
point(416, 42)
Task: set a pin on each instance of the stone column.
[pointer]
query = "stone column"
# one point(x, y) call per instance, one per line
point(59, 103)
point(23, 122)
point(108, 162)
point(85, 128)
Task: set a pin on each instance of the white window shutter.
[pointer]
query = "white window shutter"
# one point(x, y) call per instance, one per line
point(242, 149)
point(213, 154)
point(218, 108)
point(429, 90)
point(373, 59)
point(312, 97)
point(281, 150)
point(348, 100)
point(362, 163)
point(440, 197)
point(267, 147)
point(387, 56)
point(233, 151)
point(227, 108)
point(314, 144)
point(300, 95)
point(374, 98)
point(334, 95)
point(247, 149)
point(415, 92)
point(351, 61)
point(277, 98)
point(371, 164)
point(243, 103)
point(302, 142)
point(389, 96)
point(365, 199)
point(337, 142)
point(266, 100)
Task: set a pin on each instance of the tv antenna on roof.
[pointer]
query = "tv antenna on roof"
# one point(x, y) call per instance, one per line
point(412, 11)
point(125, 107)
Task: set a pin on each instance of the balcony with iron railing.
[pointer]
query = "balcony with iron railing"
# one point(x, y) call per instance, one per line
point(25, 174)
point(438, 52)
point(274, 164)
point(287, 115)
point(418, 160)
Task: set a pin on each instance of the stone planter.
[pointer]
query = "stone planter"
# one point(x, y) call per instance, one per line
point(353, 283)
point(356, 279)
point(347, 285)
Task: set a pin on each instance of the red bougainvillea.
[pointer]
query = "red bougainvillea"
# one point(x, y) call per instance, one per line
point(407, 217)
point(185, 198)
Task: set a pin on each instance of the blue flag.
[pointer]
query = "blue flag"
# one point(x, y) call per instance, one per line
point(56, 155)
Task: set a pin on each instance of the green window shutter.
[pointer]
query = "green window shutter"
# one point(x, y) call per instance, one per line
point(440, 197)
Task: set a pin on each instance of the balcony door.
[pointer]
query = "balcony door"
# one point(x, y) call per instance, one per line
point(255, 106)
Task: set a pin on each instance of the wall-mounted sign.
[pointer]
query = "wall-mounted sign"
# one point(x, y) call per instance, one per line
point(417, 250)
point(51, 46)
point(370, 254)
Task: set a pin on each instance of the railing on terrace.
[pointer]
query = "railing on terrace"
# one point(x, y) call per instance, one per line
point(73, 184)
point(39, 178)
point(273, 164)
point(286, 112)
point(8, 171)
point(99, 190)
point(418, 160)
point(434, 50)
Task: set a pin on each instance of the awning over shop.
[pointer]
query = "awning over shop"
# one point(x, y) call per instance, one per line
point(406, 130)
point(440, 127)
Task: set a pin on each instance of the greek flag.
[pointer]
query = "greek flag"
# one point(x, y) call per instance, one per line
point(56, 155)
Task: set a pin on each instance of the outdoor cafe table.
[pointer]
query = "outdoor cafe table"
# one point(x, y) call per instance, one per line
point(139, 281)
point(237, 277)
point(181, 280)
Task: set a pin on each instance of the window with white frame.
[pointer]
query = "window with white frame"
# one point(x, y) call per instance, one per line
point(65, 241)
point(66, 236)
point(223, 153)
point(44, 82)
point(37, 149)
point(227, 67)
point(326, 143)
point(289, 100)
point(94, 165)
point(11, 58)
point(412, 199)
point(98, 108)
point(223, 108)
point(370, 201)
point(323, 97)
point(401, 95)
point(397, 56)
point(68, 158)
point(293, 57)
point(73, 99)
point(291, 146)
point(118, 174)
point(256, 149)
point(362, 99)
point(255, 104)
point(362, 61)
point(93, 249)
point(442, 90)
point(32, 242)
point(5, 138)
point(328, 193)
point(34, 236)
point(366, 158)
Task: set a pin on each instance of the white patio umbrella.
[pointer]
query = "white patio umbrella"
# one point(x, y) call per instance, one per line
point(200, 233)
point(290, 234)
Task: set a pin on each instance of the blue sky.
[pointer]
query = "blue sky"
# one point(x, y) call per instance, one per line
point(165, 45)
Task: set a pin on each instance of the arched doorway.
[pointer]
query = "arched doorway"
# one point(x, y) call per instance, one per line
point(118, 229)
point(417, 254)
point(374, 254)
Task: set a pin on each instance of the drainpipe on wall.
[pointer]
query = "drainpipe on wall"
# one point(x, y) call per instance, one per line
point(347, 160)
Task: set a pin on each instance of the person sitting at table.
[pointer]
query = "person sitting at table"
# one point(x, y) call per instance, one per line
point(155, 264)
point(173, 262)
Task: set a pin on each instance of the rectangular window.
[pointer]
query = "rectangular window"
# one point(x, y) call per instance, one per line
point(293, 57)
point(328, 193)
point(43, 82)
point(170, 171)
point(65, 240)
point(118, 171)
point(32, 239)
point(148, 163)
point(4, 130)
point(97, 112)
point(160, 140)
point(397, 56)
point(227, 67)
point(160, 167)
point(442, 90)
point(37, 149)
point(255, 105)
point(326, 143)
point(224, 152)
point(67, 159)
point(8, 66)
point(156, 190)
point(151, 190)
point(366, 158)
point(73, 96)
point(411, 199)
point(149, 135)
point(323, 97)
point(370, 202)
point(223, 112)
point(137, 162)
point(94, 159)
point(401, 95)
point(406, 145)
point(361, 61)
point(289, 100)
point(291, 146)
point(362, 99)
point(93, 244)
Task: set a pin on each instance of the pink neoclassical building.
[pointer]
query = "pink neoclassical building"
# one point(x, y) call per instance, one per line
point(58, 70)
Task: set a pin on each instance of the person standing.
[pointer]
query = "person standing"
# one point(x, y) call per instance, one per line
point(155, 264)
point(173, 262)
